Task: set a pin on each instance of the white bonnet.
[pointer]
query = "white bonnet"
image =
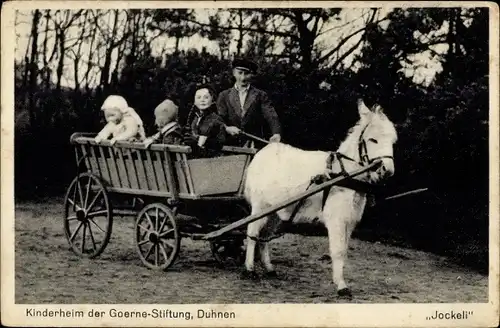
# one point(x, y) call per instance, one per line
point(115, 101)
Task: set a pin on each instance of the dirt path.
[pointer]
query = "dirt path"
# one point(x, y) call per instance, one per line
point(48, 272)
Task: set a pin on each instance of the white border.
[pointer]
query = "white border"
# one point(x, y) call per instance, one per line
point(253, 315)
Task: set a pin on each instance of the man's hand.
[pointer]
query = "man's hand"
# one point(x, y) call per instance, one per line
point(98, 140)
point(232, 130)
point(112, 141)
point(275, 138)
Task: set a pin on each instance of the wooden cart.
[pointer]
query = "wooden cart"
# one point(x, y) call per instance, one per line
point(171, 195)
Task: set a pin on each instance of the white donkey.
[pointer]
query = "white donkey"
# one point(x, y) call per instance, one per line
point(280, 171)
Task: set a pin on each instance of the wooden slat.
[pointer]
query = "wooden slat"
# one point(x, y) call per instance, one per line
point(87, 161)
point(148, 169)
point(106, 166)
point(132, 170)
point(161, 176)
point(181, 174)
point(96, 163)
point(153, 179)
point(123, 172)
point(188, 171)
point(114, 167)
point(169, 174)
point(141, 171)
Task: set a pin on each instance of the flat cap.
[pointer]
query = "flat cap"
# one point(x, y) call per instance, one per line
point(245, 64)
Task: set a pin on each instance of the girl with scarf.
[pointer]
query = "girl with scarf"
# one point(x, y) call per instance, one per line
point(207, 130)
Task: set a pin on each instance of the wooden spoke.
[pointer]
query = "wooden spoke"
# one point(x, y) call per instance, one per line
point(75, 207)
point(87, 195)
point(91, 236)
point(149, 252)
point(165, 219)
point(149, 219)
point(156, 221)
point(163, 250)
point(164, 242)
point(145, 241)
point(91, 215)
point(143, 228)
point(228, 252)
point(78, 185)
point(71, 218)
point(157, 254)
point(94, 200)
point(164, 234)
point(91, 220)
point(83, 238)
point(76, 231)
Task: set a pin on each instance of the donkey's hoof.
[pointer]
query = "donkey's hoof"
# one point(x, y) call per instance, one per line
point(249, 275)
point(271, 275)
point(344, 292)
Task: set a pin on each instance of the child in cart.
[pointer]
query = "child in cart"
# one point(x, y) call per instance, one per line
point(123, 123)
point(206, 130)
point(169, 130)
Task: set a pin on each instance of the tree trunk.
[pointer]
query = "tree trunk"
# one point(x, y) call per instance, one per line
point(240, 30)
point(106, 70)
point(60, 66)
point(33, 69)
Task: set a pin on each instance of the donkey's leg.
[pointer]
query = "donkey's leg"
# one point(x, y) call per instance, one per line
point(253, 232)
point(273, 221)
point(338, 240)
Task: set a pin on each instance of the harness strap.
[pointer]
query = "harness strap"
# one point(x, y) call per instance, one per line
point(318, 179)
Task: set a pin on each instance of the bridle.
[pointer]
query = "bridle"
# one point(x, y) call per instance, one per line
point(364, 158)
point(363, 150)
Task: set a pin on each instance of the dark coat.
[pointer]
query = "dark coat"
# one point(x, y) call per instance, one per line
point(259, 112)
point(210, 124)
point(172, 136)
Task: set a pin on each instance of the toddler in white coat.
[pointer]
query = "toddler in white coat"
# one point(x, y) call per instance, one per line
point(123, 122)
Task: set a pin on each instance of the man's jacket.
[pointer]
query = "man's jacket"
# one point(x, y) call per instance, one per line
point(257, 117)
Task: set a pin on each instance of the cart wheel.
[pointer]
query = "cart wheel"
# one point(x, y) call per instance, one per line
point(231, 252)
point(88, 217)
point(157, 236)
point(228, 252)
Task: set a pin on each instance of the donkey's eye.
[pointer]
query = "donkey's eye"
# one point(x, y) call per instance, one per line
point(373, 140)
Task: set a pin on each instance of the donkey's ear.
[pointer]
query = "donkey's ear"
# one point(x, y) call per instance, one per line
point(362, 108)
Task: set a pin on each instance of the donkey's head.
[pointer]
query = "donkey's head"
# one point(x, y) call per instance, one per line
point(372, 139)
point(376, 140)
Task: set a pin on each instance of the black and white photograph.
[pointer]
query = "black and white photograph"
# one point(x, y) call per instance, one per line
point(250, 164)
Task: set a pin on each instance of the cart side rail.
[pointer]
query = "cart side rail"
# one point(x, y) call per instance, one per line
point(130, 168)
point(163, 170)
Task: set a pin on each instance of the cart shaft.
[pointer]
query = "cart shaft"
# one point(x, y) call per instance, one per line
point(277, 207)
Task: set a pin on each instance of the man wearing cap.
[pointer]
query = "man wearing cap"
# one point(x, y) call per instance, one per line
point(246, 108)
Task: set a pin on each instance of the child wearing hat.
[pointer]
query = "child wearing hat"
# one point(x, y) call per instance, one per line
point(207, 130)
point(169, 130)
point(123, 123)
